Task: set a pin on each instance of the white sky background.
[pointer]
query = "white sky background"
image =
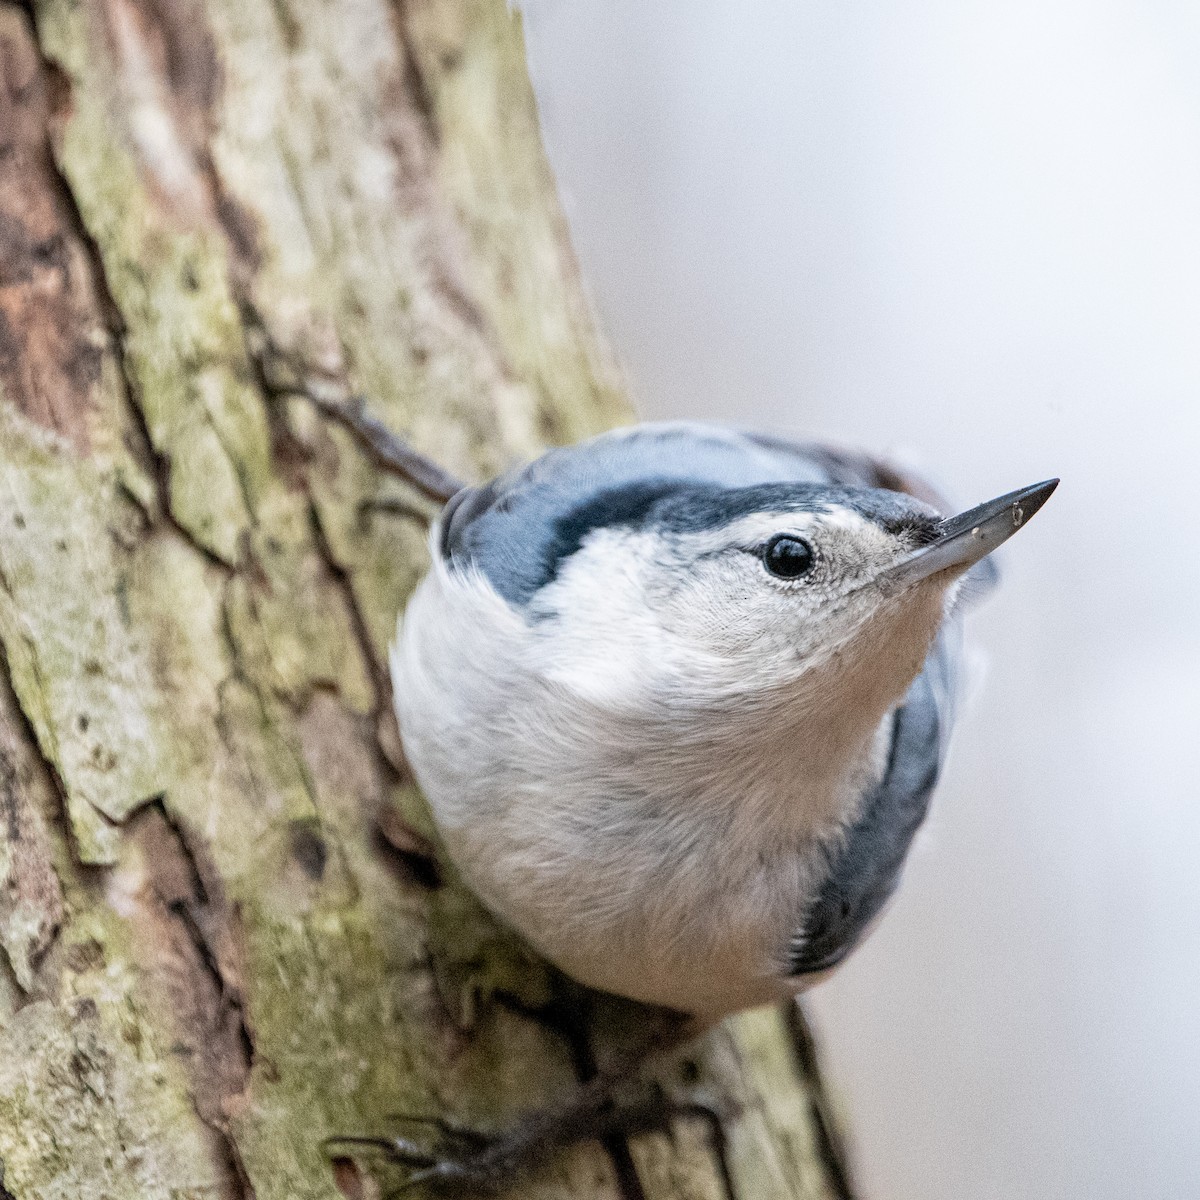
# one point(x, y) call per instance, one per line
point(969, 231)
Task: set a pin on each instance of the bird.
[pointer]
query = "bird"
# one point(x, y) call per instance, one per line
point(678, 697)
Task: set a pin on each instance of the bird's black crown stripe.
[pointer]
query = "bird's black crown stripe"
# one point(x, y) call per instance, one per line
point(669, 505)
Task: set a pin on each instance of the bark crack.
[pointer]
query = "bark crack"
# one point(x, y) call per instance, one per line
point(380, 677)
point(157, 465)
point(830, 1147)
point(418, 857)
point(50, 356)
point(138, 441)
point(199, 958)
point(25, 6)
point(567, 1017)
point(239, 674)
point(5, 1194)
point(61, 809)
point(415, 84)
point(392, 834)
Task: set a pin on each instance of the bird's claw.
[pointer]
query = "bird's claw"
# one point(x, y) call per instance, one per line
point(466, 1159)
point(463, 1157)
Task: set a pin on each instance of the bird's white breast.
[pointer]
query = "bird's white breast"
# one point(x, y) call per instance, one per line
point(644, 847)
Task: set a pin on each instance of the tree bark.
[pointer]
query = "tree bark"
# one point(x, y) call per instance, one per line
point(224, 934)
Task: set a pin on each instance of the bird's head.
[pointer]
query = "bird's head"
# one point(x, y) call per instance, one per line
point(696, 596)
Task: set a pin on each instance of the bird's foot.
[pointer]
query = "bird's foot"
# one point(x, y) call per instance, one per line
point(461, 1159)
point(456, 1157)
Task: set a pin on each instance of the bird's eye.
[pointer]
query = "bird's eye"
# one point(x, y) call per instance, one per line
point(788, 557)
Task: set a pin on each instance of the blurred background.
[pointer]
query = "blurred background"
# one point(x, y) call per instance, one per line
point(968, 233)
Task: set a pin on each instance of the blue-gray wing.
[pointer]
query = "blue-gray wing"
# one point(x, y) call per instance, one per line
point(863, 868)
point(519, 528)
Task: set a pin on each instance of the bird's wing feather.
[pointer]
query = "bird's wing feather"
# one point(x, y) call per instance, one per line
point(864, 865)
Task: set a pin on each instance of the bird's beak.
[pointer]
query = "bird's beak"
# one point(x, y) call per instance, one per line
point(963, 540)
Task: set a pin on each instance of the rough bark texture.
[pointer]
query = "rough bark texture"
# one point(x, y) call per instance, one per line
point(222, 936)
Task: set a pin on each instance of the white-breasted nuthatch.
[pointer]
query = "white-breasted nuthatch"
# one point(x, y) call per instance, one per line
point(678, 698)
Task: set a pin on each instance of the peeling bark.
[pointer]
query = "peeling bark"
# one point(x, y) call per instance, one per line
point(225, 933)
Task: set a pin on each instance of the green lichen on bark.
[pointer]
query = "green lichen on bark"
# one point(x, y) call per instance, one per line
point(211, 961)
point(76, 663)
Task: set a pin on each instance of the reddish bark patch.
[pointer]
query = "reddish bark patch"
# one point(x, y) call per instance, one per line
point(191, 943)
point(347, 1178)
point(52, 336)
point(345, 760)
point(31, 899)
point(191, 949)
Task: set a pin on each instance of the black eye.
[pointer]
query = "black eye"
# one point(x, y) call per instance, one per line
point(788, 557)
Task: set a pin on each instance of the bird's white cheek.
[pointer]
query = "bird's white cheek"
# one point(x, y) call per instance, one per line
point(617, 630)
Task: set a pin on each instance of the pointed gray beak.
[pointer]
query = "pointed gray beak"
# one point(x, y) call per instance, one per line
point(963, 540)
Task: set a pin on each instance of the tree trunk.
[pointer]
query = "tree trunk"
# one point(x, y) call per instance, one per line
point(223, 935)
